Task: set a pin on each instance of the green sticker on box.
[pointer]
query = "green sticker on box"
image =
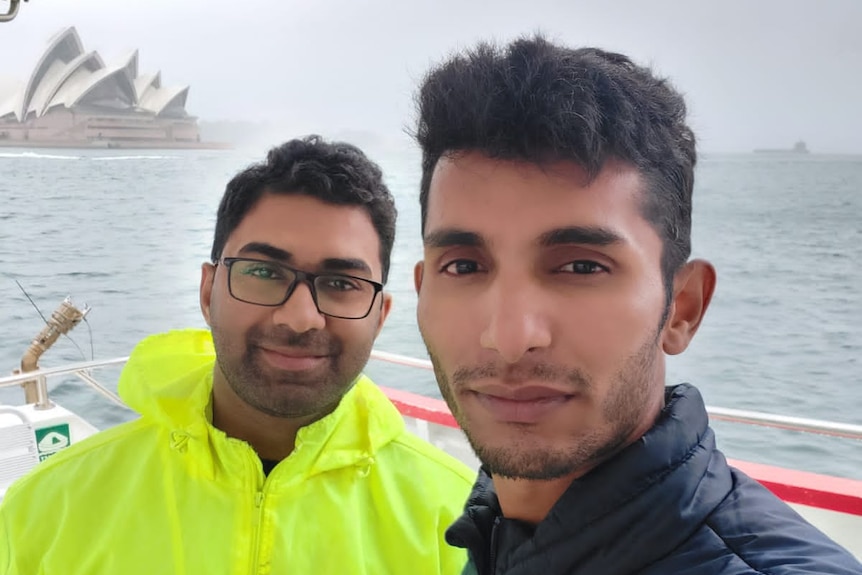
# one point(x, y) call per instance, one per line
point(52, 439)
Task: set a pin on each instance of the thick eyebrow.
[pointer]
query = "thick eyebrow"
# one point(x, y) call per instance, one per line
point(449, 237)
point(345, 265)
point(284, 256)
point(267, 250)
point(585, 235)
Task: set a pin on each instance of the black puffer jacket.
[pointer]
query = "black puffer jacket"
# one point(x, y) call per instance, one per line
point(667, 504)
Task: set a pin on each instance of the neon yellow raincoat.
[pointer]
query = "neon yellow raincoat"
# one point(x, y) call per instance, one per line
point(168, 494)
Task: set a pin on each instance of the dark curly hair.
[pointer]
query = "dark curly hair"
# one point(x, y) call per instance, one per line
point(334, 172)
point(540, 102)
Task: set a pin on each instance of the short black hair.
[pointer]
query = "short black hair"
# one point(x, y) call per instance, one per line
point(333, 172)
point(536, 101)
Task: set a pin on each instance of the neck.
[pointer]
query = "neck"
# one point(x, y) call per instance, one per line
point(531, 500)
point(270, 436)
point(528, 500)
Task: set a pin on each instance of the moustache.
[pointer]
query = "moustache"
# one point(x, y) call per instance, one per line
point(522, 372)
point(315, 342)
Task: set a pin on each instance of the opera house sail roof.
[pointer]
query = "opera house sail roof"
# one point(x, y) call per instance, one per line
point(73, 98)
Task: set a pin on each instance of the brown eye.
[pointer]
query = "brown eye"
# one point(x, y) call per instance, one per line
point(461, 267)
point(583, 267)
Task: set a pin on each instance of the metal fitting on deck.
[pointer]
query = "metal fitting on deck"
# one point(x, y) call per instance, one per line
point(12, 12)
point(62, 321)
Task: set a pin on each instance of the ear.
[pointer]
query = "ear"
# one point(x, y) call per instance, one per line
point(693, 287)
point(385, 308)
point(418, 272)
point(208, 272)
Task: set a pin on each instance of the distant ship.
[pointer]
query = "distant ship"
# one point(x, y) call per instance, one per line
point(798, 148)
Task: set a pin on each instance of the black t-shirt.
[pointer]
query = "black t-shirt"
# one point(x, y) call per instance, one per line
point(268, 465)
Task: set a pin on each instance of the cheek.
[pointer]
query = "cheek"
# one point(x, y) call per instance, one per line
point(356, 337)
point(425, 318)
point(608, 326)
point(232, 317)
point(444, 322)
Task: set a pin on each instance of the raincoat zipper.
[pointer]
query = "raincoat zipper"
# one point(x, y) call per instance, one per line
point(258, 504)
point(259, 501)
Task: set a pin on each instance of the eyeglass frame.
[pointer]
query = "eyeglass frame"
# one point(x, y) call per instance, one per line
point(302, 276)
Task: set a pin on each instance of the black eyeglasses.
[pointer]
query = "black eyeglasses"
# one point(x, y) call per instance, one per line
point(269, 283)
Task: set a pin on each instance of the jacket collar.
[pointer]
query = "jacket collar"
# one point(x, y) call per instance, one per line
point(168, 380)
point(624, 514)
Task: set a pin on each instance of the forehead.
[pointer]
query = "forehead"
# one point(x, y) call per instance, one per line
point(310, 229)
point(503, 198)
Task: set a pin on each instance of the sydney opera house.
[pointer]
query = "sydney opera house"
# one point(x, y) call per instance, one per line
point(72, 99)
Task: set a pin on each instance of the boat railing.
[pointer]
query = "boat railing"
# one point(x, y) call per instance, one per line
point(11, 12)
point(83, 371)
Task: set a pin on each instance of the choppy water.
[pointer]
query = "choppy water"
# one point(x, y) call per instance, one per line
point(126, 234)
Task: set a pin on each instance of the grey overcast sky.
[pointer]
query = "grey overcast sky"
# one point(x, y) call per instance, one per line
point(757, 73)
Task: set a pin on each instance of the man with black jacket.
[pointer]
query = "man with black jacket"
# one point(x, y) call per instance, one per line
point(556, 219)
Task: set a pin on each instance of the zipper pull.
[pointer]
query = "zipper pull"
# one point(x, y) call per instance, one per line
point(258, 499)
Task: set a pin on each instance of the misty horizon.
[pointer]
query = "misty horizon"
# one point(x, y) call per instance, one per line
point(755, 75)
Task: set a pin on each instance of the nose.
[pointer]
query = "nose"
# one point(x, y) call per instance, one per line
point(299, 312)
point(517, 322)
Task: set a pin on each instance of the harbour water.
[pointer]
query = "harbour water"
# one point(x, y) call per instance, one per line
point(126, 233)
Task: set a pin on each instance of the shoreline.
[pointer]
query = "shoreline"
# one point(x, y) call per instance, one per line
point(107, 145)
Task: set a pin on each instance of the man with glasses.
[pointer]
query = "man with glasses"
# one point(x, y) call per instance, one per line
point(261, 448)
